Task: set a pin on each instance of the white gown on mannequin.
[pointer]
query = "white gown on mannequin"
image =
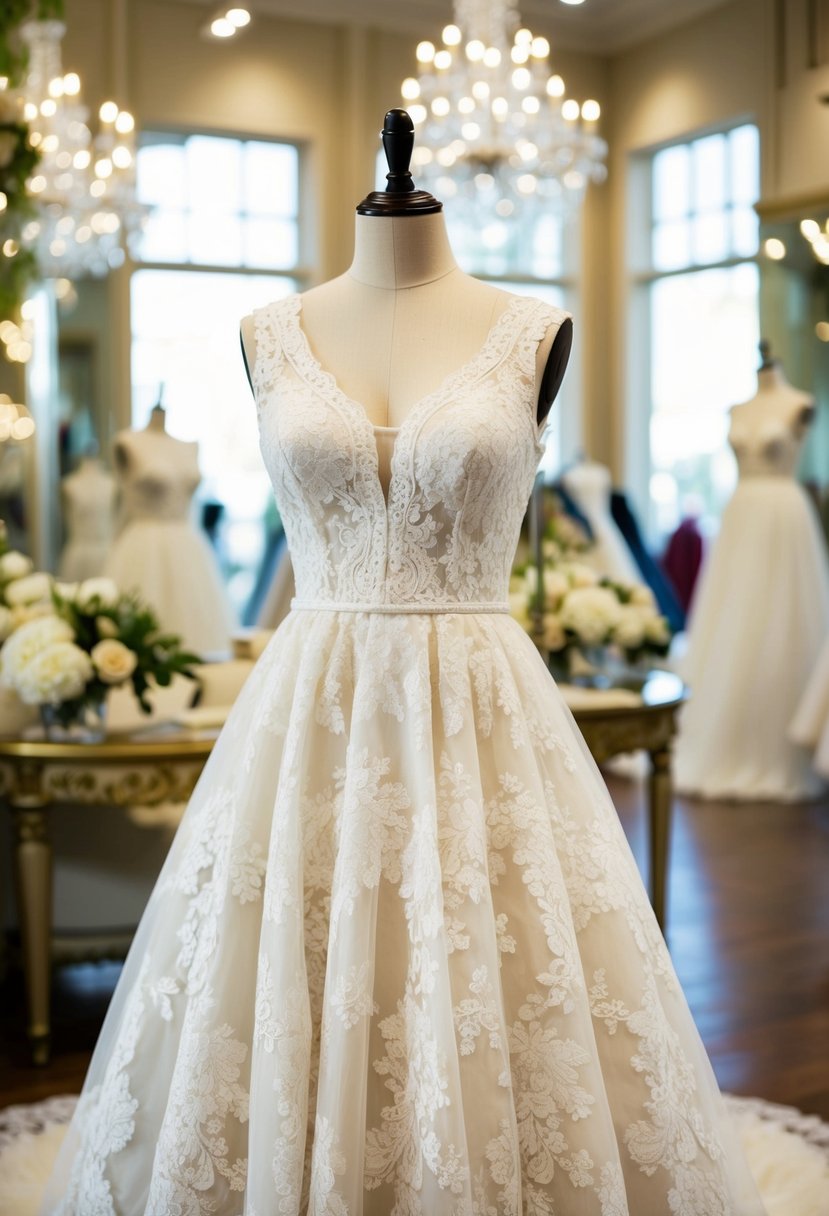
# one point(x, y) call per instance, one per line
point(810, 727)
point(400, 959)
point(89, 516)
point(590, 485)
point(159, 550)
point(760, 615)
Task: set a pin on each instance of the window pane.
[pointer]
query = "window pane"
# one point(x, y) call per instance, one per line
point(709, 172)
point(213, 173)
point(704, 335)
point(165, 237)
point(271, 243)
point(745, 231)
point(215, 240)
point(160, 175)
point(671, 183)
point(271, 179)
point(711, 233)
point(672, 245)
point(744, 146)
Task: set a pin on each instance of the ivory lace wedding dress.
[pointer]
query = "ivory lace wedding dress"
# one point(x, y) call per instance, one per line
point(399, 961)
point(757, 625)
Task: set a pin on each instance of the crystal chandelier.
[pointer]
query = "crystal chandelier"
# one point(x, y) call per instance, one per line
point(83, 185)
point(494, 126)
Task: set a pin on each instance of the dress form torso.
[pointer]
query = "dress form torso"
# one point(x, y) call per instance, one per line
point(159, 474)
point(767, 432)
point(401, 319)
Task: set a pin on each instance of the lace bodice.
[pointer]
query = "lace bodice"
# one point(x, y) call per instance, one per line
point(765, 446)
point(444, 533)
point(89, 502)
point(160, 475)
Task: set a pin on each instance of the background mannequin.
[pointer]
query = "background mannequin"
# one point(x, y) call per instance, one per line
point(760, 614)
point(589, 484)
point(159, 550)
point(89, 515)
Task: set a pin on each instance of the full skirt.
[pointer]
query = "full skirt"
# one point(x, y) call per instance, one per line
point(400, 962)
point(757, 626)
point(174, 568)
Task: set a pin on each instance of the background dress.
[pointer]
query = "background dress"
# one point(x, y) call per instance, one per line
point(400, 961)
point(89, 516)
point(757, 624)
point(159, 550)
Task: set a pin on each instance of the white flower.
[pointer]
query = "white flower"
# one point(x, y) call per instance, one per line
point(27, 642)
point(556, 587)
point(33, 589)
point(61, 672)
point(114, 662)
point(554, 636)
point(23, 613)
point(67, 591)
point(591, 613)
point(107, 628)
point(97, 593)
point(581, 575)
point(14, 565)
point(6, 622)
point(629, 631)
point(642, 595)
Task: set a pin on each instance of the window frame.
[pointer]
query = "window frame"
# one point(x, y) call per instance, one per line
point(641, 274)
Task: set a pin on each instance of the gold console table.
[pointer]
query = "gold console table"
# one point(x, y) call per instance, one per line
point(143, 768)
point(649, 726)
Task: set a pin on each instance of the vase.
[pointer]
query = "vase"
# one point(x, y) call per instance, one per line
point(75, 721)
point(596, 667)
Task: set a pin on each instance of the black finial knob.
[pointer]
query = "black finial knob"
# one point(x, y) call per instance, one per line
point(766, 359)
point(400, 196)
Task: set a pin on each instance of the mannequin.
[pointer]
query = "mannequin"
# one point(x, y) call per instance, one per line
point(760, 613)
point(88, 496)
point(404, 315)
point(159, 551)
point(589, 484)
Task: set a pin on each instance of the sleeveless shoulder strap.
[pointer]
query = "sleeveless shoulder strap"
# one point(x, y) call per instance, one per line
point(270, 354)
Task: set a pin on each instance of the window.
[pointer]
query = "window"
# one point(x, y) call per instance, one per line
point(224, 237)
point(700, 322)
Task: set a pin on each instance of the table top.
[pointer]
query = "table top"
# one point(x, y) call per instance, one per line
point(661, 690)
point(164, 741)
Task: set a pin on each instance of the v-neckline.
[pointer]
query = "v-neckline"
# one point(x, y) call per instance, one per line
point(314, 372)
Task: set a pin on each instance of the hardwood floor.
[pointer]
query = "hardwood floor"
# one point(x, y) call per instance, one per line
point(748, 928)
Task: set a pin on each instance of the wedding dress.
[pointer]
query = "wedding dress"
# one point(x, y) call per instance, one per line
point(400, 961)
point(590, 485)
point(89, 509)
point(159, 551)
point(759, 618)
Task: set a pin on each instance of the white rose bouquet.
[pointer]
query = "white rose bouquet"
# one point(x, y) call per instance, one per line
point(583, 612)
point(93, 638)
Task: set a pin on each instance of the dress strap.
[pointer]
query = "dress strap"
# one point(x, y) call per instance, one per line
point(270, 353)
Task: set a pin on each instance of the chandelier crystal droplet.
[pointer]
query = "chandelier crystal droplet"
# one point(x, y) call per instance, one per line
point(493, 122)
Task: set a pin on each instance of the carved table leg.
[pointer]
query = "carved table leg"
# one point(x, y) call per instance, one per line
point(661, 800)
point(33, 864)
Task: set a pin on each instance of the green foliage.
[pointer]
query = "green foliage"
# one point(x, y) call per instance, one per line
point(13, 13)
point(159, 655)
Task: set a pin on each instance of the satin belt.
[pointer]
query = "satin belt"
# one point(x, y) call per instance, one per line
point(447, 606)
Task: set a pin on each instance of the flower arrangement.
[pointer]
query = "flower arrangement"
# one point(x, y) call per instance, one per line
point(581, 611)
point(66, 645)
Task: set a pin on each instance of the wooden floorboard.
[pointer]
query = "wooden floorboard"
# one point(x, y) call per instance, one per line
point(748, 929)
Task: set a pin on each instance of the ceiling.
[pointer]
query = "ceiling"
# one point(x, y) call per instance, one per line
point(600, 26)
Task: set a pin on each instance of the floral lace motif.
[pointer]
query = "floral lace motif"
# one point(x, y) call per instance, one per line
point(399, 961)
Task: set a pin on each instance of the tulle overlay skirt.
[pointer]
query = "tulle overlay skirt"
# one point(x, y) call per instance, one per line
point(172, 565)
point(757, 625)
point(400, 961)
